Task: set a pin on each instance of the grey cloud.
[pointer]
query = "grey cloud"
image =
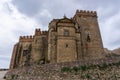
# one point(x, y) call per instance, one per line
point(58, 8)
point(44, 21)
point(55, 7)
point(105, 8)
point(94, 3)
point(7, 8)
point(18, 33)
point(28, 7)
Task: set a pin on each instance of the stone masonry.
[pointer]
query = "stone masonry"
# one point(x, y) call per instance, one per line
point(65, 40)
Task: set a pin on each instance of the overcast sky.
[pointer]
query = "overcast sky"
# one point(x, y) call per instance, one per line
point(21, 17)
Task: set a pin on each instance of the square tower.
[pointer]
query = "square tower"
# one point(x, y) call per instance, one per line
point(92, 46)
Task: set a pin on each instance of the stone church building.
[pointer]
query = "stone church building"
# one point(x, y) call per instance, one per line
point(67, 39)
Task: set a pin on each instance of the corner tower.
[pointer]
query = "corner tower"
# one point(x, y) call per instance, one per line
point(91, 42)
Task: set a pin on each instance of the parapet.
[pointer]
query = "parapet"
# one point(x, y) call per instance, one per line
point(85, 13)
point(44, 32)
point(26, 38)
point(37, 32)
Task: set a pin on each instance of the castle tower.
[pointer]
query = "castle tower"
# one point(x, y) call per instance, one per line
point(39, 47)
point(62, 40)
point(66, 40)
point(52, 41)
point(91, 42)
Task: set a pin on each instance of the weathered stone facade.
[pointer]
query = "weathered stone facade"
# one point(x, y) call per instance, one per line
point(66, 40)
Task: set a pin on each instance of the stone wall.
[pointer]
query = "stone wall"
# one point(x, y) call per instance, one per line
point(108, 69)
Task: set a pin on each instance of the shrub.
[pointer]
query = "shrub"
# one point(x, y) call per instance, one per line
point(75, 69)
point(4, 77)
point(117, 64)
point(92, 66)
point(12, 76)
point(84, 68)
point(65, 69)
point(82, 76)
point(103, 66)
point(88, 76)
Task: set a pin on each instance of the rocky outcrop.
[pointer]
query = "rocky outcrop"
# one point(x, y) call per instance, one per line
point(112, 53)
point(107, 69)
point(117, 51)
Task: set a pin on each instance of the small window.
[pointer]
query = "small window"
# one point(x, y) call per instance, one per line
point(66, 32)
point(66, 45)
point(35, 41)
point(25, 52)
point(79, 27)
point(88, 37)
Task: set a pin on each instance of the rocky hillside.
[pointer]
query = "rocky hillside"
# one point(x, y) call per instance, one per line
point(112, 53)
point(117, 51)
point(79, 70)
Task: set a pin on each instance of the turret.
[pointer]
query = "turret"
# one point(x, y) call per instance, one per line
point(44, 32)
point(37, 32)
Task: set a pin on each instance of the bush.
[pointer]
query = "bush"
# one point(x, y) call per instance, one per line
point(103, 66)
point(75, 69)
point(117, 64)
point(65, 69)
point(4, 77)
point(92, 66)
point(12, 76)
point(84, 68)
point(88, 76)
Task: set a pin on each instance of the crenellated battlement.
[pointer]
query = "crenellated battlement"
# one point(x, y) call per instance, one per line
point(37, 32)
point(86, 13)
point(44, 32)
point(26, 38)
point(30, 38)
